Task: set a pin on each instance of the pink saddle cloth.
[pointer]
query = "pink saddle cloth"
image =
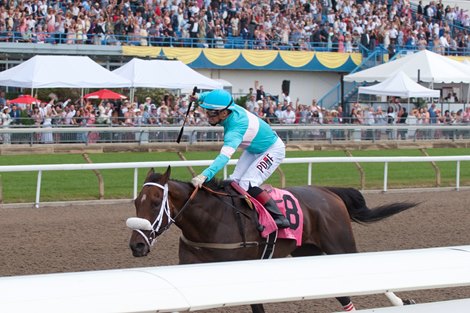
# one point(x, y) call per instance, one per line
point(289, 206)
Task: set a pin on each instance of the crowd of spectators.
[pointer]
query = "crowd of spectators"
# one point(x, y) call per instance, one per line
point(287, 112)
point(335, 25)
point(171, 111)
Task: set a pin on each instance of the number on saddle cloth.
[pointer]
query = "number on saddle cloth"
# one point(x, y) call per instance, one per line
point(287, 203)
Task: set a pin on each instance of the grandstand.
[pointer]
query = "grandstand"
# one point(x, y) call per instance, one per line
point(306, 48)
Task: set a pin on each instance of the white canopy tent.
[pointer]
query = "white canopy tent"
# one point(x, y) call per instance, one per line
point(399, 85)
point(51, 71)
point(164, 74)
point(432, 68)
point(225, 83)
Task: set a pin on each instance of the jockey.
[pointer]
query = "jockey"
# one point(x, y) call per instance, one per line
point(263, 149)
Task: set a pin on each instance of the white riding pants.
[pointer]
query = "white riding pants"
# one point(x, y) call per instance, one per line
point(254, 169)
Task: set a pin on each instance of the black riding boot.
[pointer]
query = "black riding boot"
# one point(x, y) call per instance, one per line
point(265, 199)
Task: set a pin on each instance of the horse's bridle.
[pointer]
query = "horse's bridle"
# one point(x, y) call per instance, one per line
point(141, 224)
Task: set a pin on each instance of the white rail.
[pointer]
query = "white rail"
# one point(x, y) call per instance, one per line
point(214, 285)
point(163, 164)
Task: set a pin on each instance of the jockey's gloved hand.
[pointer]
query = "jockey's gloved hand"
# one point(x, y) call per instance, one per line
point(198, 180)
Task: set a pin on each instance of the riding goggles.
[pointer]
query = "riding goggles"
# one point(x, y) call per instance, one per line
point(215, 113)
point(212, 113)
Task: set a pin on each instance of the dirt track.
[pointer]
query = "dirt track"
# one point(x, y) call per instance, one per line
point(79, 238)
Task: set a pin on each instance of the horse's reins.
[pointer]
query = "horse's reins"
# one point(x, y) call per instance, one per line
point(225, 194)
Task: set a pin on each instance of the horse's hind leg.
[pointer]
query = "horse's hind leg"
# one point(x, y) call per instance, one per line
point(347, 304)
point(257, 308)
point(397, 301)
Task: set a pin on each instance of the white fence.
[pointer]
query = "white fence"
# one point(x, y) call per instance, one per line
point(204, 286)
point(164, 164)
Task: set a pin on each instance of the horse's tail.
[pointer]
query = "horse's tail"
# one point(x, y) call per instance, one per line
point(358, 210)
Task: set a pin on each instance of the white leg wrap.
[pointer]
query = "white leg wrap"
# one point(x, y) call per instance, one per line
point(394, 299)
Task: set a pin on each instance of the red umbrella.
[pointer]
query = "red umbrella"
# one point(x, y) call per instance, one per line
point(104, 94)
point(25, 99)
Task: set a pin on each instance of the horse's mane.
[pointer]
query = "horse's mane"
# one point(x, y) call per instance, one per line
point(217, 184)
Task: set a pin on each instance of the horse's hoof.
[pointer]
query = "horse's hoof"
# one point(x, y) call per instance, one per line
point(408, 301)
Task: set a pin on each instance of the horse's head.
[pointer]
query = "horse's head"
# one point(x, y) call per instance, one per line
point(152, 211)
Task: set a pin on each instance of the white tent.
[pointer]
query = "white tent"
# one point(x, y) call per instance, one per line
point(432, 67)
point(164, 74)
point(224, 82)
point(51, 71)
point(399, 85)
point(226, 85)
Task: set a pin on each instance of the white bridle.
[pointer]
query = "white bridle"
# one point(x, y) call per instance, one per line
point(141, 224)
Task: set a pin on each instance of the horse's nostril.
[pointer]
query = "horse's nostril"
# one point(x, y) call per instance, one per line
point(139, 249)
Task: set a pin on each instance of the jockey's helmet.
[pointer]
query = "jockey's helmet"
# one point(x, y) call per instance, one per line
point(218, 99)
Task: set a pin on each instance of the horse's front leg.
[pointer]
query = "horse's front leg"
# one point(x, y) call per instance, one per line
point(257, 308)
point(347, 304)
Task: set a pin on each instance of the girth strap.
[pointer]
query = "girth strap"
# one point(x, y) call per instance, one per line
point(227, 246)
point(270, 246)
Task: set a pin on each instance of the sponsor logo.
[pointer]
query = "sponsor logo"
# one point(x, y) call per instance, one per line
point(265, 163)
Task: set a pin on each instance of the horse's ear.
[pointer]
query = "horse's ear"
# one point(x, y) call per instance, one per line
point(166, 175)
point(149, 174)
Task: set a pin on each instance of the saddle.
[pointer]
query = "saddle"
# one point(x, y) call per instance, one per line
point(289, 206)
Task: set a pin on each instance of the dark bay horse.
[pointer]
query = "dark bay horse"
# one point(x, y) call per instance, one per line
point(217, 224)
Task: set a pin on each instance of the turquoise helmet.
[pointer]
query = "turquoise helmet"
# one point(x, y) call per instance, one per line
point(218, 99)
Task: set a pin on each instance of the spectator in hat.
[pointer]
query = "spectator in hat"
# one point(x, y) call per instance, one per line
point(251, 103)
point(148, 102)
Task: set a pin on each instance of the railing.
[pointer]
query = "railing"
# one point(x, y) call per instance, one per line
point(163, 164)
point(204, 286)
point(192, 134)
point(223, 42)
point(226, 42)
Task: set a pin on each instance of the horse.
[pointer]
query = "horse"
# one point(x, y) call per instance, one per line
point(218, 224)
